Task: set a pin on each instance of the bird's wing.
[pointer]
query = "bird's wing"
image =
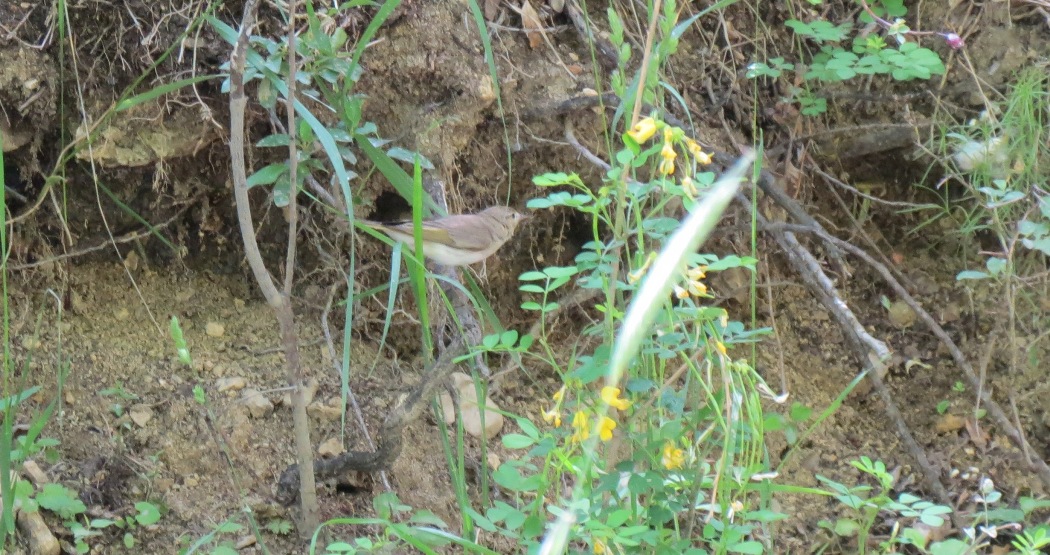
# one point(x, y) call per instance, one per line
point(462, 236)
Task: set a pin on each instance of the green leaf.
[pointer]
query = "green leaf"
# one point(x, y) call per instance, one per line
point(427, 518)
point(517, 441)
point(277, 139)
point(750, 547)
point(279, 526)
point(148, 513)
point(509, 476)
point(14, 400)
point(161, 90)
point(971, 274)
point(553, 179)
point(267, 175)
point(996, 265)
point(560, 271)
point(405, 155)
point(1029, 504)
point(60, 500)
point(528, 428)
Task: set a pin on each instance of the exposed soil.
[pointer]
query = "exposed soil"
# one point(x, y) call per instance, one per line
point(429, 90)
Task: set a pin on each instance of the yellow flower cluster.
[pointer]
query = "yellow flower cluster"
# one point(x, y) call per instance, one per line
point(644, 130)
point(553, 415)
point(667, 153)
point(581, 419)
point(694, 286)
point(636, 275)
point(672, 458)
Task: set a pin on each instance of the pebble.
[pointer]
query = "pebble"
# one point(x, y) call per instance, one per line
point(949, 423)
point(214, 329)
point(140, 414)
point(469, 407)
point(35, 474)
point(901, 315)
point(323, 412)
point(331, 447)
point(230, 384)
point(257, 404)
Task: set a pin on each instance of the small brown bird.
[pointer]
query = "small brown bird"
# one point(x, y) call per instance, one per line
point(461, 239)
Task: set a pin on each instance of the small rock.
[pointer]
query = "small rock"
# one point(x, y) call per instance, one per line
point(472, 419)
point(245, 542)
point(331, 447)
point(69, 397)
point(31, 342)
point(238, 304)
point(468, 406)
point(949, 423)
point(131, 261)
point(257, 403)
point(464, 386)
point(214, 329)
point(191, 481)
point(493, 461)
point(122, 313)
point(41, 540)
point(140, 415)
point(230, 384)
point(35, 473)
point(323, 412)
point(901, 315)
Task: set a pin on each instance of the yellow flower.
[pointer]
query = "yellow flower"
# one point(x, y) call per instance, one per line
point(680, 292)
point(689, 187)
point(673, 458)
point(605, 429)
point(721, 347)
point(611, 396)
point(697, 288)
point(582, 424)
point(559, 395)
point(643, 130)
point(552, 416)
point(696, 273)
point(636, 276)
point(668, 153)
point(599, 547)
point(697, 152)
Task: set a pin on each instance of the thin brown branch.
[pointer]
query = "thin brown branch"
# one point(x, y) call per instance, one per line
point(279, 301)
point(996, 412)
